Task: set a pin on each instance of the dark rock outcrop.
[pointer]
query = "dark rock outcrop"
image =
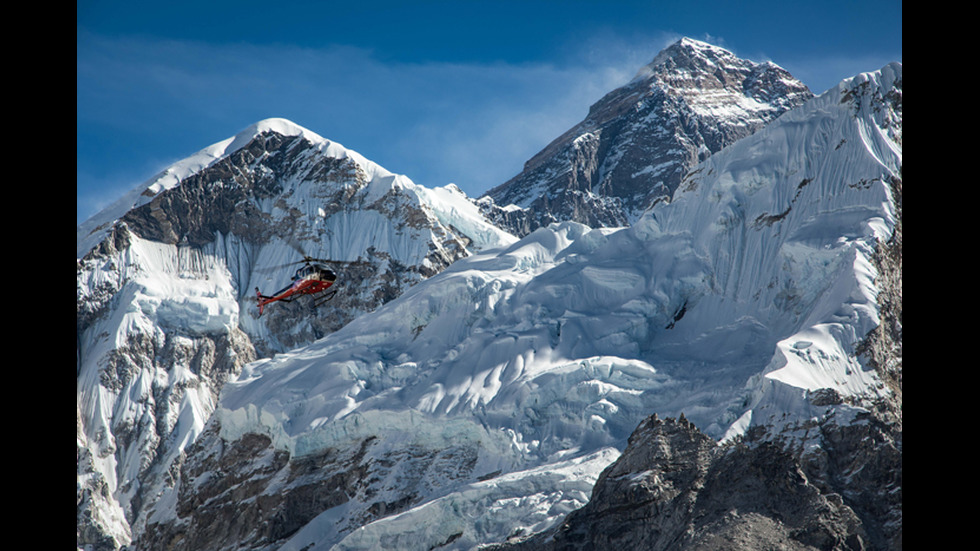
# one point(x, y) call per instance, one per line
point(247, 494)
point(675, 488)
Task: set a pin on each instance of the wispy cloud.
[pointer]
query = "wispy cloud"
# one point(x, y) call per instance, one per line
point(470, 124)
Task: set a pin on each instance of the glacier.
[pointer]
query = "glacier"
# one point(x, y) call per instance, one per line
point(733, 304)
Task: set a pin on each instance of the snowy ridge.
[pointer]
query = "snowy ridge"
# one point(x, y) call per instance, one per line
point(93, 230)
point(731, 305)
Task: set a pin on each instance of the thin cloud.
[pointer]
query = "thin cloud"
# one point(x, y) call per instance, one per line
point(470, 124)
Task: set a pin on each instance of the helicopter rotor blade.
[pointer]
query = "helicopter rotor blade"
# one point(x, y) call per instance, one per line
point(306, 260)
point(269, 269)
point(298, 247)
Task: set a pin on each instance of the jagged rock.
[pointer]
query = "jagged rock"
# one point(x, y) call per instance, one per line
point(675, 488)
point(245, 493)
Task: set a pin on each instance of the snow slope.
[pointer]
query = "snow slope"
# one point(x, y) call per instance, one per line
point(731, 305)
point(134, 413)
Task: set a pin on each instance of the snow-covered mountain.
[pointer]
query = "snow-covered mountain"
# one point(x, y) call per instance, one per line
point(639, 140)
point(814, 461)
point(166, 282)
point(762, 304)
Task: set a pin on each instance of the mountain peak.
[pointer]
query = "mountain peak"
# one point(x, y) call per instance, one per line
point(633, 148)
point(93, 230)
point(691, 54)
point(280, 126)
point(277, 125)
point(689, 46)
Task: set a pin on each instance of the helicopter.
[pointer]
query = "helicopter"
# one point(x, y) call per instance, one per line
point(313, 278)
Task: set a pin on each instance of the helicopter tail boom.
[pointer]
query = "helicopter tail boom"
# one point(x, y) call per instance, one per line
point(263, 300)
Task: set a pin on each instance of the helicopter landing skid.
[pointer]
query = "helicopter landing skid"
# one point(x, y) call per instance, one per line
point(323, 299)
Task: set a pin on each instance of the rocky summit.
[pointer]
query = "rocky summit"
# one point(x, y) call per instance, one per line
point(638, 142)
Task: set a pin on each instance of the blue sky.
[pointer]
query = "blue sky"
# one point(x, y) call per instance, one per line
point(444, 92)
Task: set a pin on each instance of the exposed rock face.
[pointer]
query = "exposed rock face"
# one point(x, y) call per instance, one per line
point(883, 347)
point(638, 141)
point(136, 391)
point(148, 441)
point(246, 494)
point(675, 488)
point(252, 194)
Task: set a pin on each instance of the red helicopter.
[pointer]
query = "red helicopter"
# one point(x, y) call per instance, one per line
point(313, 279)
